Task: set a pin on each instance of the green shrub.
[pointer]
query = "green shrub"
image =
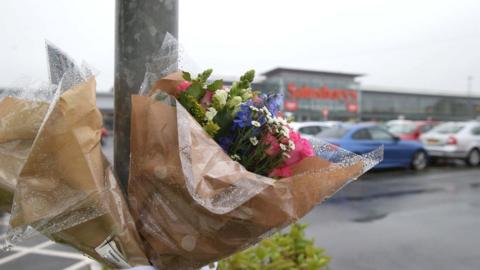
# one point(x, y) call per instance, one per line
point(282, 251)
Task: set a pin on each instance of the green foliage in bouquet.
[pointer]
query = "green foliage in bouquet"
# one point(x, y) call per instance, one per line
point(198, 94)
point(282, 251)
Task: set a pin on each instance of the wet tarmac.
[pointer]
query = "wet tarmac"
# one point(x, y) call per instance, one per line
point(403, 220)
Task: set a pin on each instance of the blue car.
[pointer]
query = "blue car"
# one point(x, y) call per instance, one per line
point(363, 138)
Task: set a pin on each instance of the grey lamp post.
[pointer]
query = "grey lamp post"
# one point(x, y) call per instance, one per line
point(140, 28)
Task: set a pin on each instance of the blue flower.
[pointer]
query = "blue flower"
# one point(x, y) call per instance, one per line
point(243, 118)
point(273, 103)
point(225, 143)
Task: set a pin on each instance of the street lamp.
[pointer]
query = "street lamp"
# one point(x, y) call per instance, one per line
point(141, 26)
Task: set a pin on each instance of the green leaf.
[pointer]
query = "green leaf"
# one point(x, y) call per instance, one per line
point(203, 77)
point(215, 85)
point(186, 76)
point(196, 90)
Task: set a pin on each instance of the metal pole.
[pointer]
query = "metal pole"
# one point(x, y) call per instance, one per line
point(140, 28)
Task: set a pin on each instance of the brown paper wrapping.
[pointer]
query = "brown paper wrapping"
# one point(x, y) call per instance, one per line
point(19, 123)
point(179, 231)
point(67, 190)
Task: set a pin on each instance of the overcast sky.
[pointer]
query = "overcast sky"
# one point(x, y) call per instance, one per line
point(424, 44)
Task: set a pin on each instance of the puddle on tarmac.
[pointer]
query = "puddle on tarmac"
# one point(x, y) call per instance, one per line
point(475, 185)
point(369, 218)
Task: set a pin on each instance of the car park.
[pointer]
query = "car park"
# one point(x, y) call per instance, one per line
point(454, 140)
point(364, 138)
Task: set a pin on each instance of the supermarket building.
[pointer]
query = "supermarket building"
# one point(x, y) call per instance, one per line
point(318, 95)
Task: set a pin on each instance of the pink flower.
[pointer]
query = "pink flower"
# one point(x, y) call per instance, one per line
point(303, 149)
point(207, 99)
point(183, 86)
point(284, 171)
point(274, 148)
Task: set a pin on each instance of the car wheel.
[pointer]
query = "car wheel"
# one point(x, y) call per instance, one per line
point(473, 158)
point(419, 161)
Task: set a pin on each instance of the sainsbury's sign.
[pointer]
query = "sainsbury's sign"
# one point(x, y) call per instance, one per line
point(349, 97)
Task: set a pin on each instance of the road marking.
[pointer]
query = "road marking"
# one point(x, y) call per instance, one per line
point(40, 249)
point(80, 264)
point(22, 252)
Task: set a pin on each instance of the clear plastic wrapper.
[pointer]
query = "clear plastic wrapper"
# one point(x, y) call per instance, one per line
point(22, 111)
point(194, 205)
point(66, 189)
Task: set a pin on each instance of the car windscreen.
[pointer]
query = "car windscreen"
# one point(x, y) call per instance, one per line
point(404, 128)
point(333, 133)
point(449, 128)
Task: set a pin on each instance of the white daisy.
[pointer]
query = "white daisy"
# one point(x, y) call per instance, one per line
point(291, 145)
point(256, 123)
point(253, 108)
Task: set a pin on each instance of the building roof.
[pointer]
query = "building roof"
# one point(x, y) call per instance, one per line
point(418, 91)
point(309, 71)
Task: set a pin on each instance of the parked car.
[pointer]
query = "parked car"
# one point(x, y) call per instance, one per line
point(363, 138)
point(312, 128)
point(456, 140)
point(410, 130)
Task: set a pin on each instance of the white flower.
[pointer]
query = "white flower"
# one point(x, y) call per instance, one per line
point(291, 145)
point(282, 121)
point(266, 111)
point(283, 147)
point(210, 113)
point(253, 108)
point(256, 123)
point(285, 132)
point(220, 97)
point(253, 141)
point(269, 120)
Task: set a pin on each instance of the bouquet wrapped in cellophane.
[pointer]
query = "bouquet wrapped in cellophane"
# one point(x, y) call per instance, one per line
point(215, 169)
point(66, 189)
point(21, 113)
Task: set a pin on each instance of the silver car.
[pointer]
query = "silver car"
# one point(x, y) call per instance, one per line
point(311, 128)
point(459, 140)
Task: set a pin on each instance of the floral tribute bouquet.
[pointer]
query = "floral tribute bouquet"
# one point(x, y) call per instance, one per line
point(215, 169)
point(245, 123)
